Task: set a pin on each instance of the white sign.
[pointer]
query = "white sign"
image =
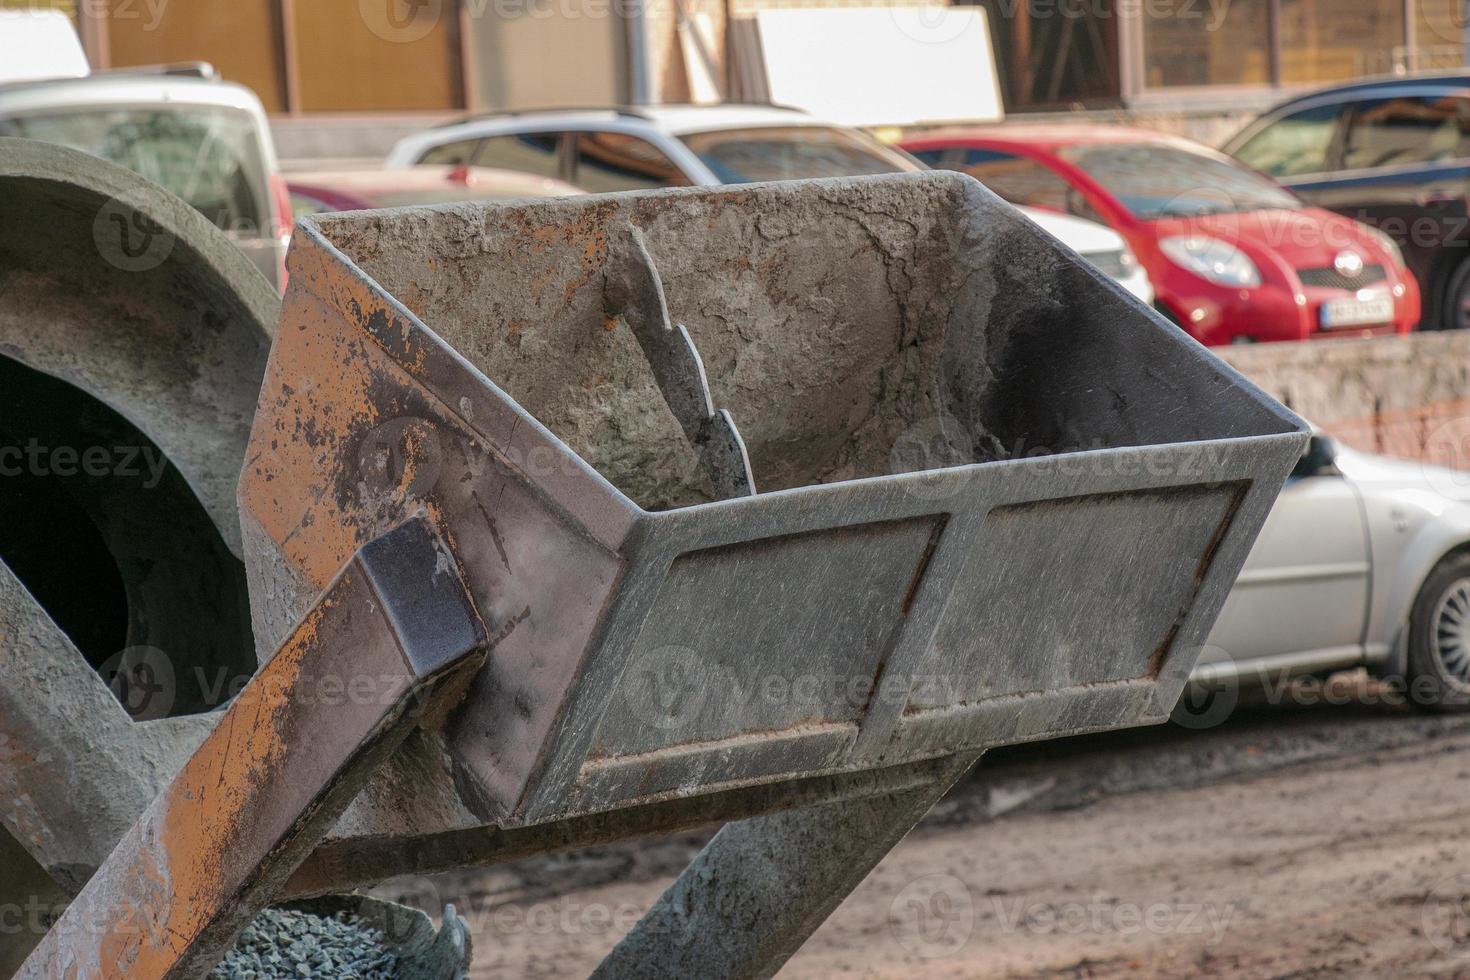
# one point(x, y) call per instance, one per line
point(875, 66)
point(36, 44)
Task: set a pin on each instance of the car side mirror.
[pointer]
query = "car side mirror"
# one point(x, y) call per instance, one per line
point(1319, 458)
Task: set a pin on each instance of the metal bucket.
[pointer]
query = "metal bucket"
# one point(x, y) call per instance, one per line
point(911, 478)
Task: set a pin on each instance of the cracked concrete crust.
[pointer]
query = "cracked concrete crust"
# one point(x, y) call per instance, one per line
point(831, 336)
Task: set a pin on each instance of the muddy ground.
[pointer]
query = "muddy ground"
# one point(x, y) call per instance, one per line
point(1294, 840)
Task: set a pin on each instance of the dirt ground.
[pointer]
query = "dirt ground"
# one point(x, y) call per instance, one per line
point(1292, 841)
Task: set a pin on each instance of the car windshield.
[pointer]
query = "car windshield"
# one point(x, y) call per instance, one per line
point(207, 155)
point(738, 156)
point(1157, 180)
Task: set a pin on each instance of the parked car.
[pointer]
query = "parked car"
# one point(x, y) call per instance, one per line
point(315, 191)
point(656, 146)
point(673, 146)
point(1098, 244)
point(1232, 255)
point(1363, 561)
point(203, 139)
point(1393, 153)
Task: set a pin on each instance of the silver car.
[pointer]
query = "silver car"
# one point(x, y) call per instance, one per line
point(1364, 561)
point(180, 126)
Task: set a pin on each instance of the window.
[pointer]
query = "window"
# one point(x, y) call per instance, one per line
point(1299, 143)
point(1407, 130)
point(937, 159)
point(1157, 180)
point(304, 203)
point(793, 152)
point(207, 155)
point(1018, 179)
point(1292, 42)
point(530, 153)
point(450, 154)
point(1228, 44)
point(619, 162)
point(1321, 42)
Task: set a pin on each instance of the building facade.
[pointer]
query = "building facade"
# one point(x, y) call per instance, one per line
point(1132, 53)
point(322, 57)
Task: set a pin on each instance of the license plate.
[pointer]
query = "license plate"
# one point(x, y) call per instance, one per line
point(1354, 312)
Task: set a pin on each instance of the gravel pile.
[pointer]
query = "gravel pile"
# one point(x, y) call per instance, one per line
point(282, 943)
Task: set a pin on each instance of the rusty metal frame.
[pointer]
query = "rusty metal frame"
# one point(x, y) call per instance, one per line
point(390, 643)
point(594, 543)
point(364, 562)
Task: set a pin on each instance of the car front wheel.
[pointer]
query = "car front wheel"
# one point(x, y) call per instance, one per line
point(1439, 638)
point(1456, 312)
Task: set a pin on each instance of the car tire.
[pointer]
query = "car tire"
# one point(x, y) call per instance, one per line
point(1454, 313)
point(1439, 638)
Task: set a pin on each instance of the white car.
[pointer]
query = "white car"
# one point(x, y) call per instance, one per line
point(668, 146)
point(656, 146)
point(204, 139)
point(1098, 244)
point(1364, 561)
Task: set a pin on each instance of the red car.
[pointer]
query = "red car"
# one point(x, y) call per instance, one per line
point(1234, 256)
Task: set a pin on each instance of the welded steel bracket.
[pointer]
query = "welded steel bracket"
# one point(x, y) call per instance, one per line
point(635, 292)
point(391, 642)
point(762, 886)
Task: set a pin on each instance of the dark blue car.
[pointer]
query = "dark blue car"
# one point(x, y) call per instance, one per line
point(1392, 153)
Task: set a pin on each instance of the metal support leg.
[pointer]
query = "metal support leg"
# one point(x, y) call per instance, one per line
point(390, 641)
point(763, 885)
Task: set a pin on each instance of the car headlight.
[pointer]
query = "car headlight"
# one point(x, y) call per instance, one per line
point(1211, 259)
point(1388, 243)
